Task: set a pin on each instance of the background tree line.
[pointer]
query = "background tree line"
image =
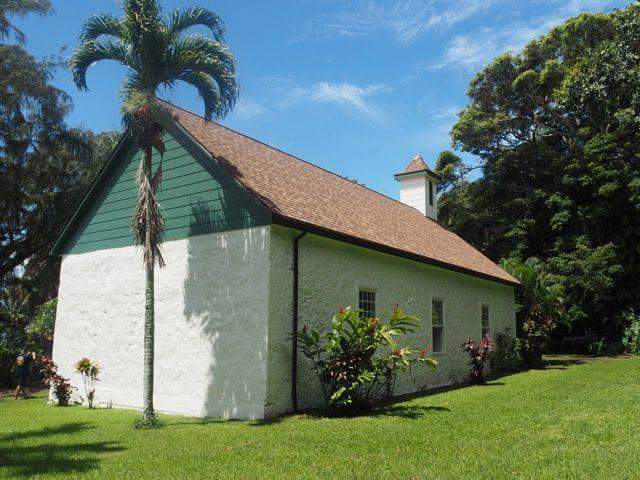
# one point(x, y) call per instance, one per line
point(557, 130)
point(46, 167)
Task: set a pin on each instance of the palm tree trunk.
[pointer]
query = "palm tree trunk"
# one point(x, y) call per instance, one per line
point(149, 310)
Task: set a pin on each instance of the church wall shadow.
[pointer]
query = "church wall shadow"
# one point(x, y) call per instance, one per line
point(226, 295)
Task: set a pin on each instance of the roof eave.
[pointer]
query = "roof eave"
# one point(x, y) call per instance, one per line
point(425, 171)
point(311, 228)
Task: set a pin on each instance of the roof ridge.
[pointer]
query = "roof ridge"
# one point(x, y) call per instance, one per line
point(302, 160)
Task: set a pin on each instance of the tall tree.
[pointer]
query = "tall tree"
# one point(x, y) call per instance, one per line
point(45, 167)
point(158, 52)
point(19, 8)
point(556, 128)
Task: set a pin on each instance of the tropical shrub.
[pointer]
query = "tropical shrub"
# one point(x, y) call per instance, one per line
point(89, 371)
point(539, 307)
point(61, 387)
point(631, 335)
point(536, 337)
point(478, 355)
point(357, 361)
point(505, 356)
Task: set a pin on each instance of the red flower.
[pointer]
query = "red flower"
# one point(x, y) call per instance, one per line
point(396, 352)
point(424, 351)
point(341, 310)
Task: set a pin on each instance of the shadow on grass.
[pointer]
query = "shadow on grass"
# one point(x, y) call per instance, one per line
point(204, 421)
point(227, 422)
point(65, 429)
point(25, 461)
point(561, 363)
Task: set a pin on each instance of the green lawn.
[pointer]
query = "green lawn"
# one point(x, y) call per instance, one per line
point(576, 419)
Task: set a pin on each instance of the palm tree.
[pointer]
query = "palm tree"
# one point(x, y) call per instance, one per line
point(158, 52)
point(20, 8)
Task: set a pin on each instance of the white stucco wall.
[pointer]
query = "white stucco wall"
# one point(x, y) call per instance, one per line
point(212, 304)
point(331, 274)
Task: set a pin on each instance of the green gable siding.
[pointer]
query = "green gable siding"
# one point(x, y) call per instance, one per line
point(196, 197)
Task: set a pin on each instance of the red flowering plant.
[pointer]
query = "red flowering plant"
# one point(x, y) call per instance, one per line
point(60, 385)
point(359, 358)
point(478, 355)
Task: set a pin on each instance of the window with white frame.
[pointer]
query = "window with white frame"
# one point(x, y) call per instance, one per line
point(486, 321)
point(437, 324)
point(367, 303)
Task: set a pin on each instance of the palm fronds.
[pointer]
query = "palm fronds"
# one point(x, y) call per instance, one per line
point(103, 24)
point(93, 51)
point(157, 52)
point(182, 19)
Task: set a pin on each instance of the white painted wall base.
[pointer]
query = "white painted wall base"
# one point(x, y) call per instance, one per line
point(211, 324)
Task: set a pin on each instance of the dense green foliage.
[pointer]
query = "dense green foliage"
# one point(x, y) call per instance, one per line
point(505, 356)
point(556, 128)
point(539, 307)
point(45, 168)
point(631, 335)
point(572, 421)
point(40, 329)
point(358, 359)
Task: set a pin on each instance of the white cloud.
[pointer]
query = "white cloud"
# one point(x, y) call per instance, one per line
point(247, 109)
point(475, 50)
point(405, 20)
point(355, 99)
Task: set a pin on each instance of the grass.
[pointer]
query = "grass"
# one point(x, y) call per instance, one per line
point(575, 419)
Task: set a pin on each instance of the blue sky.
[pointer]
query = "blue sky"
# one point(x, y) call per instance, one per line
point(356, 86)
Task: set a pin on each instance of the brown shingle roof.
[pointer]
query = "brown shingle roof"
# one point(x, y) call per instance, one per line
point(302, 195)
point(417, 164)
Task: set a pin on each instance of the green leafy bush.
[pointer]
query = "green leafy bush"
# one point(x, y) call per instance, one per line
point(358, 359)
point(536, 337)
point(631, 335)
point(539, 307)
point(505, 356)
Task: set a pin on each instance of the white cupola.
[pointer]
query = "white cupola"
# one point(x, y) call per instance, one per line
point(418, 187)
